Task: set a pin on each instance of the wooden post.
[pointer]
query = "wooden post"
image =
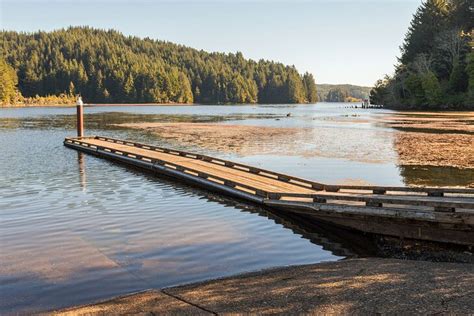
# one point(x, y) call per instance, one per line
point(80, 119)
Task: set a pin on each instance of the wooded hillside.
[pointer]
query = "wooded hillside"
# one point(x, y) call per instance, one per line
point(106, 66)
point(436, 67)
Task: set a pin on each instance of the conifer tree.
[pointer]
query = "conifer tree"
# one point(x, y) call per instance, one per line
point(8, 82)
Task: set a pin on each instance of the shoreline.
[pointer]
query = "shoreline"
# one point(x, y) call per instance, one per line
point(421, 111)
point(93, 105)
point(360, 286)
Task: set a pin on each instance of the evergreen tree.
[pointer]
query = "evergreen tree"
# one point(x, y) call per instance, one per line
point(429, 20)
point(458, 80)
point(72, 88)
point(470, 73)
point(296, 90)
point(310, 88)
point(378, 93)
point(461, 14)
point(431, 88)
point(8, 82)
point(414, 86)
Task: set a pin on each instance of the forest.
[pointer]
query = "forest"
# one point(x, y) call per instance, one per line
point(436, 66)
point(342, 92)
point(104, 66)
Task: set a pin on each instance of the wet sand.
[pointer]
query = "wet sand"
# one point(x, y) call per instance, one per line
point(354, 286)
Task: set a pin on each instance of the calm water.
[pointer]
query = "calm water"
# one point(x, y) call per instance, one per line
point(76, 229)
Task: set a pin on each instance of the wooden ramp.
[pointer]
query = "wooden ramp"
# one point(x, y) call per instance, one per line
point(440, 214)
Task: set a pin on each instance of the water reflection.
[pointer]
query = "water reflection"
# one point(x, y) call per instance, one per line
point(437, 176)
point(82, 170)
point(339, 242)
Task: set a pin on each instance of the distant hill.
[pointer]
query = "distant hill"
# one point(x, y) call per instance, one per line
point(342, 92)
point(108, 67)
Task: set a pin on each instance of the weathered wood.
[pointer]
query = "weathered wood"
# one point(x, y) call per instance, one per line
point(435, 202)
point(80, 120)
point(464, 220)
point(426, 190)
point(448, 214)
point(432, 226)
point(262, 172)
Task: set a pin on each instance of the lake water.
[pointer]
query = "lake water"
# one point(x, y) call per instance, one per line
point(76, 229)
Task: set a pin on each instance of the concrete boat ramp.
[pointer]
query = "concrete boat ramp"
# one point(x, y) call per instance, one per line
point(354, 286)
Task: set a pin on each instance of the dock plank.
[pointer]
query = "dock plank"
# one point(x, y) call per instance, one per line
point(257, 181)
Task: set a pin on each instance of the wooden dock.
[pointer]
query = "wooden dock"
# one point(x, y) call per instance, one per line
point(436, 214)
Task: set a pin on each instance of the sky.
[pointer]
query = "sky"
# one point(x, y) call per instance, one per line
point(338, 41)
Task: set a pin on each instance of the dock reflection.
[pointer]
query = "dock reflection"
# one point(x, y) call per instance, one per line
point(338, 241)
point(82, 170)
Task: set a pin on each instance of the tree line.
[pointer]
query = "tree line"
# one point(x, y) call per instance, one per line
point(342, 92)
point(106, 66)
point(436, 66)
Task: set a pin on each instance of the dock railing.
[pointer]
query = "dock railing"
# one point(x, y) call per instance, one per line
point(375, 196)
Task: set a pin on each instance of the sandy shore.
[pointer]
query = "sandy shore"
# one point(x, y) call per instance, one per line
point(354, 286)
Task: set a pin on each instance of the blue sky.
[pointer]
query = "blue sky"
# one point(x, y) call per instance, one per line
point(339, 41)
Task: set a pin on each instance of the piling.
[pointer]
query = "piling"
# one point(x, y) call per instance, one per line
point(80, 118)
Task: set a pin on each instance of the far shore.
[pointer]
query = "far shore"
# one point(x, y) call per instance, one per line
point(93, 104)
point(446, 111)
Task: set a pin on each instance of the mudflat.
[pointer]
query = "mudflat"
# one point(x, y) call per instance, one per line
point(431, 149)
point(269, 140)
point(242, 139)
point(433, 138)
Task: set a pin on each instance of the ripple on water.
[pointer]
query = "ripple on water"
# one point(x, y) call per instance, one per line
point(76, 229)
